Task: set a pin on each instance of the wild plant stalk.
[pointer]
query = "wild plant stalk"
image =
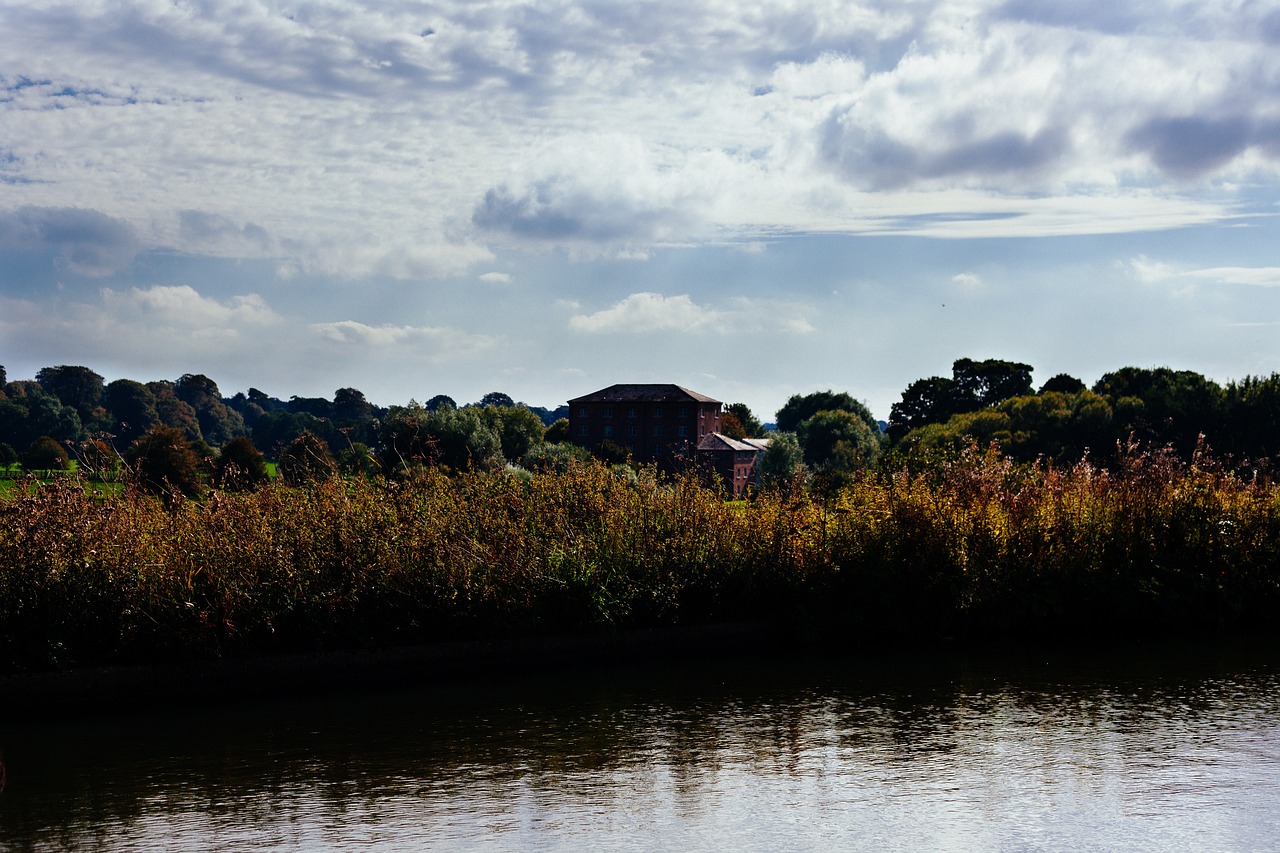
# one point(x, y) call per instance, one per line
point(974, 547)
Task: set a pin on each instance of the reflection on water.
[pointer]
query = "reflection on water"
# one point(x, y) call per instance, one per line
point(1137, 753)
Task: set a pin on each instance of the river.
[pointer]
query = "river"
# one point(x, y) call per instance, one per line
point(1153, 748)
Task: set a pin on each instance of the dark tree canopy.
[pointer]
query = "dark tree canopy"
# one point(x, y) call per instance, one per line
point(973, 385)
point(132, 407)
point(239, 465)
point(800, 408)
point(349, 404)
point(496, 398)
point(750, 423)
point(440, 401)
point(45, 454)
point(839, 438)
point(307, 460)
point(518, 429)
point(164, 461)
point(1063, 384)
point(174, 411)
point(74, 386)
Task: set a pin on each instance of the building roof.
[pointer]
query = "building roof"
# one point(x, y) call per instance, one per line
point(758, 443)
point(641, 393)
point(720, 441)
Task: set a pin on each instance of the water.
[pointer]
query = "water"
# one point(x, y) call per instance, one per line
point(1138, 751)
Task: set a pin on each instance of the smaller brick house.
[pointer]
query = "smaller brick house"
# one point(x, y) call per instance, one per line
point(732, 460)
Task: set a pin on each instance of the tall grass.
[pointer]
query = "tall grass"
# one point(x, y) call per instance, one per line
point(973, 547)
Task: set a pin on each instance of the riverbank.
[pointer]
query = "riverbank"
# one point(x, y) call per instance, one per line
point(976, 549)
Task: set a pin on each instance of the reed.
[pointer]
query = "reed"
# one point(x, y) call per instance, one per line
point(972, 547)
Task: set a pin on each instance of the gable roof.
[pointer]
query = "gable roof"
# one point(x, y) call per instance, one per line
point(720, 441)
point(642, 393)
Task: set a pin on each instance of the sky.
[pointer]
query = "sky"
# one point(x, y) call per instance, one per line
point(752, 200)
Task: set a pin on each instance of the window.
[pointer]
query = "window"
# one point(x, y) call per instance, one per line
point(657, 411)
point(608, 411)
point(631, 411)
point(682, 431)
point(608, 430)
point(702, 413)
point(683, 412)
point(582, 411)
point(657, 431)
point(582, 430)
point(631, 429)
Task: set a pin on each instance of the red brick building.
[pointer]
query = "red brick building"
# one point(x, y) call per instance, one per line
point(667, 424)
point(652, 423)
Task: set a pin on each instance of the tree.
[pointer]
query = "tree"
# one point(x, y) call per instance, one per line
point(8, 455)
point(1062, 384)
point(555, 457)
point(496, 398)
point(96, 457)
point(1177, 406)
point(518, 429)
point(838, 438)
point(219, 423)
point(984, 383)
point(782, 464)
point(454, 439)
point(440, 401)
point(307, 460)
point(800, 408)
point(924, 402)
point(239, 465)
point(732, 427)
point(750, 423)
point(349, 404)
point(30, 412)
point(77, 387)
point(164, 462)
point(45, 454)
point(132, 407)
point(558, 432)
point(174, 411)
point(275, 430)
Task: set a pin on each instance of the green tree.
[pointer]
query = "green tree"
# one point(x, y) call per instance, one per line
point(132, 408)
point(8, 455)
point(239, 465)
point(174, 411)
point(440, 401)
point(45, 454)
point(350, 405)
point(750, 423)
point(307, 460)
point(1252, 417)
point(30, 412)
point(1177, 406)
point(1063, 384)
point(496, 398)
point(984, 383)
point(800, 408)
point(164, 462)
point(518, 429)
point(558, 432)
point(219, 423)
point(74, 386)
point(555, 457)
point(782, 464)
point(454, 439)
point(838, 439)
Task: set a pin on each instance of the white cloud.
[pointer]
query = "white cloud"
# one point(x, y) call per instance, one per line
point(181, 306)
point(495, 277)
point(1150, 271)
point(647, 312)
point(435, 343)
point(967, 280)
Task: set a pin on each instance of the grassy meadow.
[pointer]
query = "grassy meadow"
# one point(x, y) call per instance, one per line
point(973, 548)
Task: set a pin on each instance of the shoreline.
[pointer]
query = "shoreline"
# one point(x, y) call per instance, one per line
point(77, 692)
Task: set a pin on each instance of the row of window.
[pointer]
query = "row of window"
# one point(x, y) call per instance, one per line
point(682, 431)
point(656, 412)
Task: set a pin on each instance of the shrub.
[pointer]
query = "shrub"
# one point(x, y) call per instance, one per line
point(239, 465)
point(164, 462)
point(45, 454)
point(307, 460)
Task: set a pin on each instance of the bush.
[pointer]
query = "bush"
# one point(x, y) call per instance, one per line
point(239, 465)
point(307, 460)
point(164, 462)
point(45, 454)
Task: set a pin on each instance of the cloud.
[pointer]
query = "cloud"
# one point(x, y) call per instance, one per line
point(86, 241)
point(219, 235)
point(1150, 271)
point(181, 306)
point(1190, 146)
point(434, 343)
point(495, 277)
point(967, 280)
point(643, 313)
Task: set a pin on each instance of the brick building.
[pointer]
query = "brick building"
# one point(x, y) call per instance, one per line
point(732, 460)
point(652, 423)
